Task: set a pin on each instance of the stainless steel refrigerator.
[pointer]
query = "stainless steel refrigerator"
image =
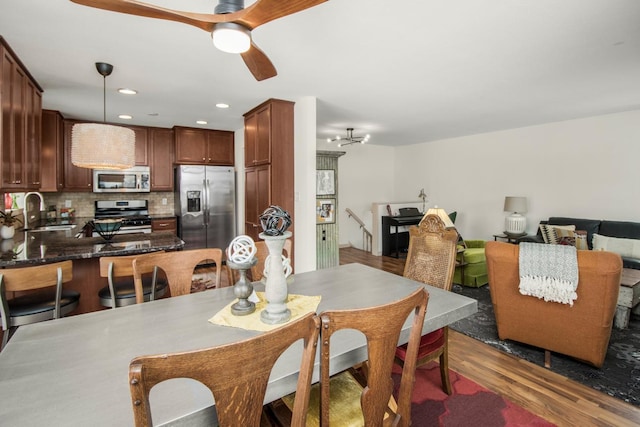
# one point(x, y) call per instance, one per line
point(205, 203)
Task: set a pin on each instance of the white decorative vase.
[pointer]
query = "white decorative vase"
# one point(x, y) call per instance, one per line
point(276, 290)
point(7, 232)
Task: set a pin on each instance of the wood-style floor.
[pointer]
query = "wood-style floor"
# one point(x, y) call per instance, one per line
point(551, 396)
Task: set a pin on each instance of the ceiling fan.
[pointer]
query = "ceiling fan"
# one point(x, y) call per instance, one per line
point(229, 20)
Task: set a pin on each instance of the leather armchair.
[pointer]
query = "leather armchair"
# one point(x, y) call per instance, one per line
point(581, 331)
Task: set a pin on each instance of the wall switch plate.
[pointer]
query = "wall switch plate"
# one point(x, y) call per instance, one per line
point(164, 200)
point(67, 203)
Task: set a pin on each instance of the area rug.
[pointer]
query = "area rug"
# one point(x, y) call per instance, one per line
point(619, 376)
point(469, 404)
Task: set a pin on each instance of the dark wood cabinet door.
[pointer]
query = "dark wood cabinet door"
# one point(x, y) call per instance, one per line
point(263, 140)
point(161, 159)
point(250, 136)
point(33, 141)
point(142, 146)
point(257, 197)
point(191, 146)
point(220, 150)
point(13, 92)
point(52, 154)
point(75, 178)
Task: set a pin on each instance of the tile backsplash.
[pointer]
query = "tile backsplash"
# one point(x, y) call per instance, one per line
point(84, 205)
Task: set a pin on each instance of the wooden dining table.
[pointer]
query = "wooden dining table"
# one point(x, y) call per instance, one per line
point(74, 371)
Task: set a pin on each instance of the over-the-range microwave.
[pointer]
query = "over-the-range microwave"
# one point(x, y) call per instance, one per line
point(132, 180)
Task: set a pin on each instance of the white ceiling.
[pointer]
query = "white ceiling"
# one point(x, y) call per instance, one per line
point(404, 71)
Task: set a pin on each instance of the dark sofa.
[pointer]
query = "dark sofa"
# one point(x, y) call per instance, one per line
point(619, 229)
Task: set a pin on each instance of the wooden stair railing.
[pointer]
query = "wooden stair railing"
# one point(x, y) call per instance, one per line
point(366, 234)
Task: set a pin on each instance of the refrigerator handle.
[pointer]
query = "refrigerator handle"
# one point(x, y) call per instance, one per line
point(207, 208)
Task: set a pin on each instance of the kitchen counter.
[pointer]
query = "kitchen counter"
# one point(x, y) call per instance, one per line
point(42, 247)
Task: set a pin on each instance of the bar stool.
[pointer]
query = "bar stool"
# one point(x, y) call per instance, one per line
point(121, 290)
point(39, 305)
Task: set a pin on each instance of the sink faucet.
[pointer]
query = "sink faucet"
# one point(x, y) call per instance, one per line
point(28, 215)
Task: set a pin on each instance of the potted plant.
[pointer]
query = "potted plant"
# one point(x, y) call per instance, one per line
point(8, 224)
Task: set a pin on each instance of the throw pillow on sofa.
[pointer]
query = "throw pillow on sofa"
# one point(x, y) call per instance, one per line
point(549, 234)
point(576, 238)
point(623, 247)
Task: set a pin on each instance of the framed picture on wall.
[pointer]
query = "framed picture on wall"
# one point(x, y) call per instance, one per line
point(325, 182)
point(325, 211)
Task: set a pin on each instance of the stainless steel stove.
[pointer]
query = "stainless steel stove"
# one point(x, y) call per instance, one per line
point(134, 214)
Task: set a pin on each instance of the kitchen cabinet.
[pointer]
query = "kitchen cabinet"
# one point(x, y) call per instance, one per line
point(165, 224)
point(142, 147)
point(257, 198)
point(203, 147)
point(75, 178)
point(20, 122)
point(161, 158)
point(52, 153)
point(269, 174)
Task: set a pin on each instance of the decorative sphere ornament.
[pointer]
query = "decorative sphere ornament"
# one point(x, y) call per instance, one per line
point(241, 250)
point(275, 221)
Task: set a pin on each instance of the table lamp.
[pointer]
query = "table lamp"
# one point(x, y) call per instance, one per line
point(442, 214)
point(515, 224)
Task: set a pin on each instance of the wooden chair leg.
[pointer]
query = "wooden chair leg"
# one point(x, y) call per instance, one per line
point(547, 359)
point(444, 371)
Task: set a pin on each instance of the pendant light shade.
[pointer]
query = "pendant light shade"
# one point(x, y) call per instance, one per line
point(103, 146)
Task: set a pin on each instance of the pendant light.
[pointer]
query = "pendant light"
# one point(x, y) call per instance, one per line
point(99, 145)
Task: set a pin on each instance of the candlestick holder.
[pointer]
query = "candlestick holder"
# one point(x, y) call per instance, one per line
point(243, 288)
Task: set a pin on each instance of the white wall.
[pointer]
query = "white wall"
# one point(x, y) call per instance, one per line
point(305, 183)
point(585, 168)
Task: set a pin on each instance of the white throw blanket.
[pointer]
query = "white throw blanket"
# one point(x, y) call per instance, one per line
point(549, 272)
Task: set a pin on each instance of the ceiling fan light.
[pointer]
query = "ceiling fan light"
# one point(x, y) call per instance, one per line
point(231, 37)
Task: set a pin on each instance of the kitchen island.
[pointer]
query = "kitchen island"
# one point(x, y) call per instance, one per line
point(43, 247)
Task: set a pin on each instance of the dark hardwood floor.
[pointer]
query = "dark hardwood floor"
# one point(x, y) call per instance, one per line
point(553, 397)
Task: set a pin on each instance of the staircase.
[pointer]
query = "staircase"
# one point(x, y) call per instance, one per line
point(366, 234)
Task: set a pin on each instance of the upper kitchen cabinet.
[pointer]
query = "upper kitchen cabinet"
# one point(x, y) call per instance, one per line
point(203, 146)
point(142, 145)
point(269, 171)
point(161, 159)
point(52, 154)
point(75, 178)
point(20, 124)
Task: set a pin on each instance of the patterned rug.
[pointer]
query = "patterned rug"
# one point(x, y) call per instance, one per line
point(469, 403)
point(619, 376)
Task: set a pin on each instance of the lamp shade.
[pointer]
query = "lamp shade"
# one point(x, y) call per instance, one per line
point(442, 214)
point(515, 204)
point(231, 38)
point(101, 146)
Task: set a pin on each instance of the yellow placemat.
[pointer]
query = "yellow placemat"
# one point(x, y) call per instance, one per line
point(298, 304)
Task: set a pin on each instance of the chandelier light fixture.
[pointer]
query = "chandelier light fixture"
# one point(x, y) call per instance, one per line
point(99, 145)
point(350, 139)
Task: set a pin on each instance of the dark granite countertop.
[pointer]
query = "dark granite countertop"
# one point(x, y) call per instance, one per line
point(38, 247)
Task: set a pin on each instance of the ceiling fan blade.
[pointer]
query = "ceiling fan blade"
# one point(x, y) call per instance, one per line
point(263, 11)
point(133, 7)
point(258, 63)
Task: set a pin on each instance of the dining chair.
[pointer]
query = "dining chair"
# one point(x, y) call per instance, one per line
point(367, 400)
point(121, 290)
point(431, 260)
point(239, 387)
point(178, 267)
point(35, 303)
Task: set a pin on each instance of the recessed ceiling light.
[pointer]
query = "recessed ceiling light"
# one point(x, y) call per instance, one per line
point(201, 122)
point(125, 116)
point(222, 105)
point(127, 91)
